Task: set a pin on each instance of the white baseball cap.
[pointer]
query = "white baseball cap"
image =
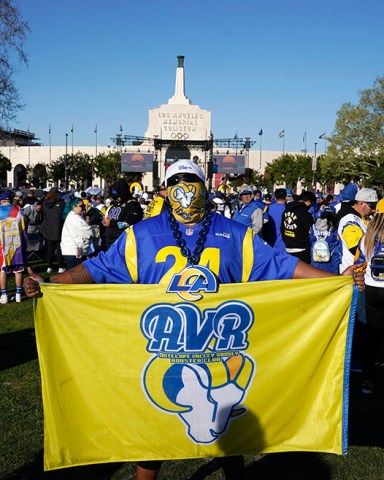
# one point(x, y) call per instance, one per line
point(184, 166)
point(367, 195)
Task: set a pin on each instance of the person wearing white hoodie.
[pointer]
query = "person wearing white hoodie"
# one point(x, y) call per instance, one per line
point(76, 234)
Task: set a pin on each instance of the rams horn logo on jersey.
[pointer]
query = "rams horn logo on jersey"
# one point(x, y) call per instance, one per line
point(192, 280)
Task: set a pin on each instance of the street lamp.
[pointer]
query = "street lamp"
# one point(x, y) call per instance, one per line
point(314, 166)
point(66, 163)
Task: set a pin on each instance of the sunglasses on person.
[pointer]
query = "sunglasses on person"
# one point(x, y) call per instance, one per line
point(183, 177)
point(371, 205)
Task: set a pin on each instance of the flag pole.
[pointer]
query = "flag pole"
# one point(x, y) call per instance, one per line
point(50, 144)
point(324, 137)
point(282, 135)
point(96, 140)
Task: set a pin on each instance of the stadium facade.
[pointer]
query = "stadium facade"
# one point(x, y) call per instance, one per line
point(175, 130)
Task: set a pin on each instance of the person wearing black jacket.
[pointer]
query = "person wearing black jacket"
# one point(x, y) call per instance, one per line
point(51, 227)
point(295, 226)
point(123, 212)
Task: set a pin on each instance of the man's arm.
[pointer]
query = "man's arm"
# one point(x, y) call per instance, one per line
point(257, 220)
point(303, 270)
point(78, 274)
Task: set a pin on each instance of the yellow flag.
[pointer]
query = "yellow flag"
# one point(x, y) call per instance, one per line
point(131, 372)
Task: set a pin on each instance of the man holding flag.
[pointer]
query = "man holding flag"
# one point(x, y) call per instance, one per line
point(186, 236)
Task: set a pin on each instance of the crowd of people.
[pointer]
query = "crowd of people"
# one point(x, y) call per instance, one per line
point(330, 233)
point(325, 231)
point(63, 229)
point(185, 217)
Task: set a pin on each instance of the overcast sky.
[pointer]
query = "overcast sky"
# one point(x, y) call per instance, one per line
point(272, 65)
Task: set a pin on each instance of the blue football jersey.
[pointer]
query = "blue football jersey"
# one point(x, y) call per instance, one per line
point(147, 254)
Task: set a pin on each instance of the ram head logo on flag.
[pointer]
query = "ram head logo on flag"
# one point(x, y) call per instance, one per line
point(135, 372)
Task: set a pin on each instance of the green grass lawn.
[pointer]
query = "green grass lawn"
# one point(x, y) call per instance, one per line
point(21, 425)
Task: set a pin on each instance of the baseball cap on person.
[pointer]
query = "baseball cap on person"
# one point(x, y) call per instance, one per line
point(380, 206)
point(184, 167)
point(349, 192)
point(245, 190)
point(367, 195)
point(6, 196)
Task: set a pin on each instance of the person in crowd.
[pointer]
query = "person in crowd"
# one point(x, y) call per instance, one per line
point(267, 199)
point(257, 194)
point(51, 226)
point(347, 195)
point(157, 204)
point(76, 234)
point(371, 251)
point(325, 246)
point(334, 200)
point(295, 225)
point(12, 245)
point(33, 217)
point(94, 218)
point(92, 201)
point(275, 213)
point(289, 195)
point(315, 207)
point(122, 212)
point(190, 228)
point(257, 197)
point(352, 218)
point(84, 197)
point(99, 204)
point(221, 203)
point(249, 213)
point(17, 198)
point(352, 224)
point(30, 198)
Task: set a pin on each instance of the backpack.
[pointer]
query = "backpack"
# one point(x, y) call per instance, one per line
point(320, 249)
point(377, 265)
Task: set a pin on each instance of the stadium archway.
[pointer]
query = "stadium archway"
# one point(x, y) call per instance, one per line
point(19, 175)
point(39, 176)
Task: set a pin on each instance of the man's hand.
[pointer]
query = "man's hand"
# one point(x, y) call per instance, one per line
point(358, 273)
point(31, 283)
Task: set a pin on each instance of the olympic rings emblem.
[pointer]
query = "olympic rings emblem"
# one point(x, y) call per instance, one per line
point(180, 136)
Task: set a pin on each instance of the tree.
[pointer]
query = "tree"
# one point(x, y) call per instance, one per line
point(108, 167)
point(283, 170)
point(251, 177)
point(56, 170)
point(13, 32)
point(80, 169)
point(356, 150)
point(5, 165)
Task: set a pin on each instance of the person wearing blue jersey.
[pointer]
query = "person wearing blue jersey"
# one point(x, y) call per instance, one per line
point(275, 212)
point(187, 234)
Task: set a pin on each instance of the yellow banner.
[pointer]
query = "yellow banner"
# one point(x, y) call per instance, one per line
point(130, 372)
